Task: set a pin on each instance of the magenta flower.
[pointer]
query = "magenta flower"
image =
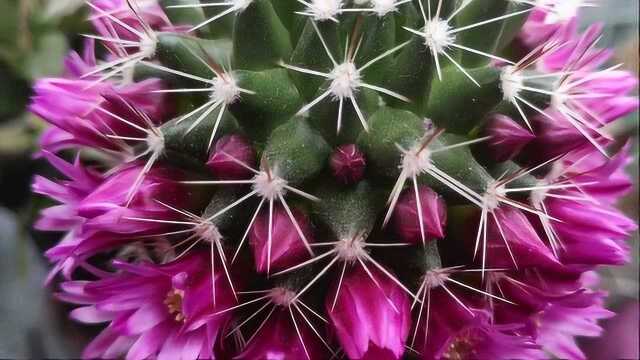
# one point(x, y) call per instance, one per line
point(620, 338)
point(604, 178)
point(453, 329)
point(149, 11)
point(348, 164)
point(104, 217)
point(228, 155)
point(162, 311)
point(279, 339)
point(81, 115)
point(407, 219)
point(554, 18)
point(69, 193)
point(508, 138)
point(84, 113)
point(513, 242)
point(371, 321)
point(287, 248)
point(577, 316)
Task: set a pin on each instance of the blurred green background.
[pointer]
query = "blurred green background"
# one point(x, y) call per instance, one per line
point(35, 35)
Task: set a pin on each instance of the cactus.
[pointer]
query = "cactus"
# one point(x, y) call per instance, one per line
point(311, 179)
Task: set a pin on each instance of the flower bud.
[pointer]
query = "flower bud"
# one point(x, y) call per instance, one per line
point(434, 215)
point(225, 158)
point(287, 247)
point(279, 339)
point(365, 322)
point(508, 138)
point(348, 164)
point(514, 235)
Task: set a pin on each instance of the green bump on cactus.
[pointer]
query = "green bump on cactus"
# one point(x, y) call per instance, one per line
point(273, 100)
point(187, 13)
point(309, 53)
point(458, 163)
point(457, 105)
point(182, 136)
point(512, 25)
point(482, 38)
point(349, 211)
point(192, 55)
point(296, 152)
point(388, 128)
point(260, 39)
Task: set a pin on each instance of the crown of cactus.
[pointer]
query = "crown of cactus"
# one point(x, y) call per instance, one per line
point(365, 179)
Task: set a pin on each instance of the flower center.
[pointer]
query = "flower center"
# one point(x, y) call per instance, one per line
point(461, 347)
point(282, 296)
point(383, 7)
point(434, 278)
point(345, 80)
point(269, 186)
point(491, 198)
point(208, 232)
point(173, 301)
point(512, 83)
point(225, 89)
point(351, 249)
point(241, 4)
point(437, 35)
point(325, 9)
point(148, 46)
point(416, 161)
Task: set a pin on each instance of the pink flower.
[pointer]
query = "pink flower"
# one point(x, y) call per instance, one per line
point(620, 337)
point(153, 311)
point(229, 153)
point(453, 330)
point(572, 316)
point(69, 193)
point(407, 220)
point(105, 219)
point(83, 112)
point(508, 138)
point(287, 247)
point(149, 11)
point(553, 18)
point(514, 243)
point(279, 339)
point(75, 112)
point(348, 164)
point(589, 229)
point(370, 322)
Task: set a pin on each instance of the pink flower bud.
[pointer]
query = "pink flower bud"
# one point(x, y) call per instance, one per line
point(228, 152)
point(507, 138)
point(348, 164)
point(365, 322)
point(434, 215)
point(522, 241)
point(287, 247)
point(279, 339)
